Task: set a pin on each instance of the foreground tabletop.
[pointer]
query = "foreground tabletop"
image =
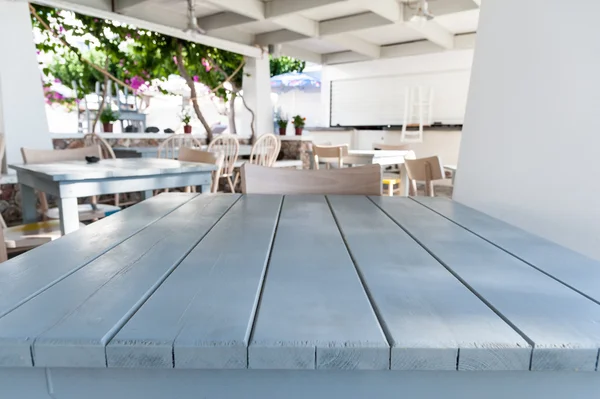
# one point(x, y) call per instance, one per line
point(300, 282)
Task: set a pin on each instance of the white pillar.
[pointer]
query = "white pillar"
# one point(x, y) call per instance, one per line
point(257, 92)
point(530, 151)
point(22, 111)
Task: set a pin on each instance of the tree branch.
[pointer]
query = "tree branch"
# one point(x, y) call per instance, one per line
point(194, 96)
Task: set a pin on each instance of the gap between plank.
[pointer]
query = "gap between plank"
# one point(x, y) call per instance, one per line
point(378, 315)
point(64, 276)
point(467, 285)
point(119, 325)
point(256, 310)
point(511, 254)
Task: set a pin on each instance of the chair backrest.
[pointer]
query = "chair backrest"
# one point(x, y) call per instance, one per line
point(392, 147)
point(92, 139)
point(169, 148)
point(330, 154)
point(424, 169)
point(32, 156)
point(229, 146)
point(265, 150)
point(187, 154)
point(363, 180)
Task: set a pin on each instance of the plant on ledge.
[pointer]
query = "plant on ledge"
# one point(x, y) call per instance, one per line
point(107, 117)
point(299, 123)
point(186, 117)
point(282, 123)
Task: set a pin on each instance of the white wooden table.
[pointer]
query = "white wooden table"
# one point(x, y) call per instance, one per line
point(338, 297)
point(71, 180)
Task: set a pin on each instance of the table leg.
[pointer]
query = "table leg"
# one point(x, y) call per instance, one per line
point(404, 183)
point(147, 194)
point(28, 204)
point(205, 189)
point(69, 215)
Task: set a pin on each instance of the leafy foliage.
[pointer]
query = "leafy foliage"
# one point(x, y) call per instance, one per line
point(286, 64)
point(108, 116)
point(298, 121)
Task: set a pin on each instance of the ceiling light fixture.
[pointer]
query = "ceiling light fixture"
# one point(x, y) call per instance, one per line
point(192, 20)
point(422, 14)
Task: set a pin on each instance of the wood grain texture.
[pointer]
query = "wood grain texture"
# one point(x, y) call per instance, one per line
point(570, 267)
point(429, 315)
point(202, 315)
point(25, 276)
point(561, 323)
point(314, 312)
point(75, 318)
point(365, 180)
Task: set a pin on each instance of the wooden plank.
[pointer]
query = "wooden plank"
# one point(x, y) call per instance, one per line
point(562, 324)
point(428, 314)
point(69, 324)
point(314, 312)
point(25, 276)
point(571, 268)
point(202, 315)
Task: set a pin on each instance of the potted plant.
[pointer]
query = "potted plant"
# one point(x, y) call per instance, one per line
point(282, 123)
point(299, 123)
point(107, 117)
point(186, 117)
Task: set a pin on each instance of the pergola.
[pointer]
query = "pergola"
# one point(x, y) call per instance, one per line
point(529, 133)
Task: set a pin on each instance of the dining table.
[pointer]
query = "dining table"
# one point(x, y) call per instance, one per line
point(300, 296)
point(71, 180)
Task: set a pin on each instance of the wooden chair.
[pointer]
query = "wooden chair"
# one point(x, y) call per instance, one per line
point(229, 146)
point(192, 155)
point(363, 180)
point(86, 211)
point(329, 155)
point(264, 152)
point(92, 139)
point(391, 180)
point(169, 148)
point(424, 169)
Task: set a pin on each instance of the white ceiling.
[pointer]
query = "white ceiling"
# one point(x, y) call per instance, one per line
point(322, 31)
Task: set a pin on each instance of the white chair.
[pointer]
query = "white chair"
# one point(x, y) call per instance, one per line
point(229, 146)
point(192, 155)
point(426, 170)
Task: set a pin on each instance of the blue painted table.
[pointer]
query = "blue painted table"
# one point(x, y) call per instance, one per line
point(319, 297)
point(73, 179)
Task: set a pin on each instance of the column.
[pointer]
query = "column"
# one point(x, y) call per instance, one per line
point(257, 92)
point(22, 110)
point(530, 148)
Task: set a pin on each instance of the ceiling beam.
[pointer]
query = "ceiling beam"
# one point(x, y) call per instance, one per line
point(439, 8)
point(388, 9)
point(119, 5)
point(422, 47)
point(356, 44)
point(223, 20)
point(352, 23)
point(298, 24)
point(300, 53)
point(160, 27)
point(433, 32)
point(254, 9)
point(278, 8)
point(277, 37)
point(478, 2)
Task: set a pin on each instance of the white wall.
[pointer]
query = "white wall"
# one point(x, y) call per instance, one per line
point(530, 147)
point(412, 70)
point(22, 113)
point(257, 92)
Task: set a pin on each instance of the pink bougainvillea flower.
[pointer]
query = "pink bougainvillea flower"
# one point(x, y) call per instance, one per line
point(196, 78)
point(206, 64)
point(57, 80)
point(137, 82)
point(61, 29)
point(175, 59)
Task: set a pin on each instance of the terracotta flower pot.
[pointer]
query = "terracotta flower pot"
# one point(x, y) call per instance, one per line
point(299, 131)
point(282, 131)
point(107, 127)
point(187, 129)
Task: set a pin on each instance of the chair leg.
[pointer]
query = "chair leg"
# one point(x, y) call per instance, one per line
point(391, 189)
point(231, 186)
point(237, 178)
